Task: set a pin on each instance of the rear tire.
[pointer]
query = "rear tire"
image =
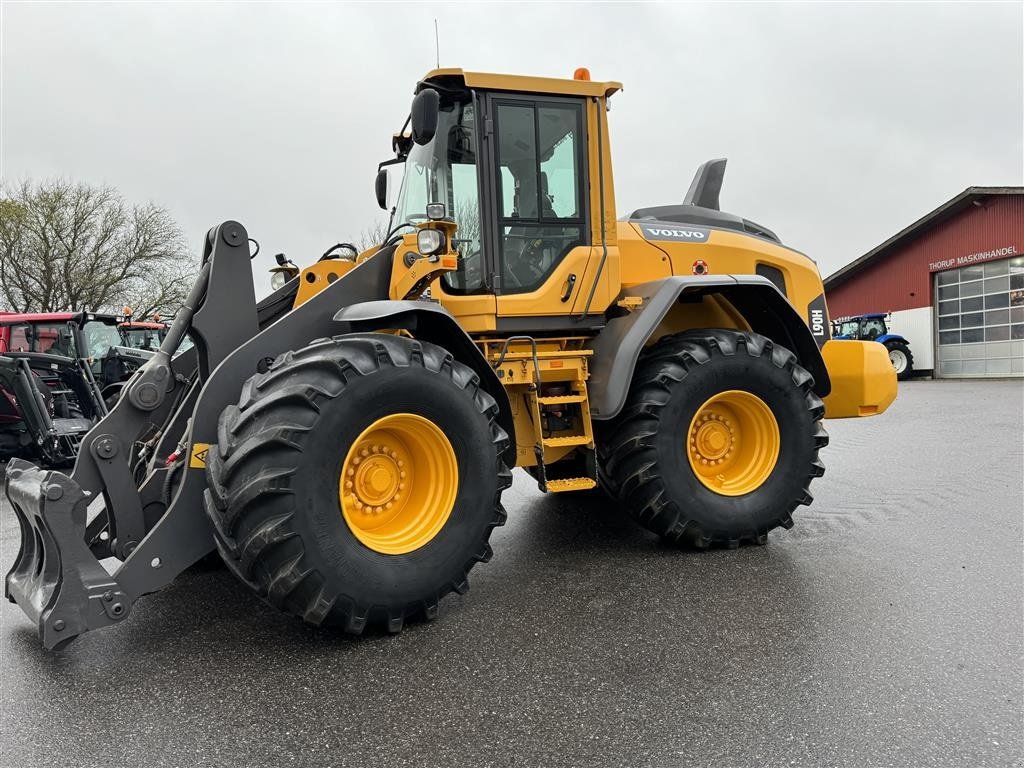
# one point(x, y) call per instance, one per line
point(275, 477)
point(901, 358)
point(644, 450)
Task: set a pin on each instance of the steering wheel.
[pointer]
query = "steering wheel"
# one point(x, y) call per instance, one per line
point(526, 268)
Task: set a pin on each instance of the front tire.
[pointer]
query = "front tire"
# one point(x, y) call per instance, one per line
point(410, 428)
point(718, 440)
point(901, 358)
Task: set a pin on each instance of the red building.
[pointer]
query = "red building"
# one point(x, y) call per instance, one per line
point(954, 283)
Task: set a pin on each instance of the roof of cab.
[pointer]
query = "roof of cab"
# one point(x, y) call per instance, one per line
point(11, 318)
point(524, 83)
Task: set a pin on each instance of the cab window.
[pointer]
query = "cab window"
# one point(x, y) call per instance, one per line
point(540, 183)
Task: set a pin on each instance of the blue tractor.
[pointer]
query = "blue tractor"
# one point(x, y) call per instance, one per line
point(873, 327)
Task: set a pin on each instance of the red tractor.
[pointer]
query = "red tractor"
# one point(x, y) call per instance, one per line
point(57, 372)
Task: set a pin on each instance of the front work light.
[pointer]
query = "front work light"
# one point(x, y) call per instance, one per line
point(278, 279)
point(430, 241)
point(435, 211)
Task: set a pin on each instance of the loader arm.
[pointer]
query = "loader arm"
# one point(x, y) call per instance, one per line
point(56, 577)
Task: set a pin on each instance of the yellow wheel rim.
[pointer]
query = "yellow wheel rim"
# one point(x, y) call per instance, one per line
point(733, 443)
point(398, 483)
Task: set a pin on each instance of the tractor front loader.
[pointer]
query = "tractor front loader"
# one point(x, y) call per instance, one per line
point(344, 443)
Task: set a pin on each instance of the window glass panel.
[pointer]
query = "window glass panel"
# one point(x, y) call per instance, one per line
point(1017, 281)
point(1017, 315)
point(997, 301)
point(969, 337)
point(531, 251)
point(946, 323)
point(997, 317)
point(997, 333)
point(994, 268)
point(19, 341)
point(971, 289)
point(948, 278)
point(559, 167)
point(1016, 265)
point(975, 318)
point(1017, 298)
point(972, 305)
point(539, 180)
point(517, 158)
point(1018, 331)
point(974, 272)
point(949, 292)
point(994, 284)
point(949, 337)
point(949, 307)
point(974, 366)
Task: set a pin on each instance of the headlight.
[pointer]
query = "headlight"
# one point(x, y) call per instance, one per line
point(430, 241)
point(278, 279)
point(435, 211)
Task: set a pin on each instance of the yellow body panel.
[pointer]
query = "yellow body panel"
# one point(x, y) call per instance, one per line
point(863, 379)
point(318, 276)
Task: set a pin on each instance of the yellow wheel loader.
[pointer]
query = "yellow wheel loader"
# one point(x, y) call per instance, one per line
point(344, 443)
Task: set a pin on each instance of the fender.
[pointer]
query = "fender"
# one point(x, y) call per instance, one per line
point(431, 322)
point(891, 337)
point(618, 346)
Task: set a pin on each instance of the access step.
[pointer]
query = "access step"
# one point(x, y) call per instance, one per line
point(561, 442)
point(561, 399)
point(571, 484)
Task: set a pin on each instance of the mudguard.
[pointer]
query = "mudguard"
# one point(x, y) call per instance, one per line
point(618, 346)
point(885, 337)
point(433, 323)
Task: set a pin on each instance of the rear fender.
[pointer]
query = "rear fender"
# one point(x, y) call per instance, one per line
point(760, 304)
point(433, 323)
point(887, 337)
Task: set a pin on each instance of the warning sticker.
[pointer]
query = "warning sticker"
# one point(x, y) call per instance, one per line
point(197, 460)
point(700, 267)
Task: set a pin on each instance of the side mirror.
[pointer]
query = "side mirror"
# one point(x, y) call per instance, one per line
point(423, 115)
point(380, 188)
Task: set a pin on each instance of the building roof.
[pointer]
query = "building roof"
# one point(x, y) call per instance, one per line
point(944, 212)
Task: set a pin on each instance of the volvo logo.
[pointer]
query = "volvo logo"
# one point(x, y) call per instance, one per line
point(680, 234)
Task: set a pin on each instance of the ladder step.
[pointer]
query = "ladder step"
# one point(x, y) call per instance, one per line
point(571, 484)
point(559, 442)
point(559, 399)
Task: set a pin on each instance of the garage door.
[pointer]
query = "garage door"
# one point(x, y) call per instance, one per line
point(980, 312)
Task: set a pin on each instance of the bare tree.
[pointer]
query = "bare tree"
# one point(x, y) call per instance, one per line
point(68, 247)
point(373, 235)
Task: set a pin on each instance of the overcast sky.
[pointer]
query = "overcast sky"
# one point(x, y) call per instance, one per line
point(842, 123)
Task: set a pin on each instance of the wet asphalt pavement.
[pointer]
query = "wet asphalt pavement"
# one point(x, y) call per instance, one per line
point(885, 629)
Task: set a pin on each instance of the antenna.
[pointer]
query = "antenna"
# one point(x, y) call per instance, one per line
point(437, 45)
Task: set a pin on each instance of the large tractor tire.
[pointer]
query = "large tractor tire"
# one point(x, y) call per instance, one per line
point(718, 440)
point(901, 358)
point(358, 480)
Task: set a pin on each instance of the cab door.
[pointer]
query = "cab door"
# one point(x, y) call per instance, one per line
point(540, 214)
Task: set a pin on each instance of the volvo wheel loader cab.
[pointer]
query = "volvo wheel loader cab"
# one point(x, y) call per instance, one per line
point(345, 441)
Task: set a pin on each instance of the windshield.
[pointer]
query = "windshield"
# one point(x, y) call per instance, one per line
point(141, 338)
point(444, 171)
point(99, 338)
point(48, 338)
